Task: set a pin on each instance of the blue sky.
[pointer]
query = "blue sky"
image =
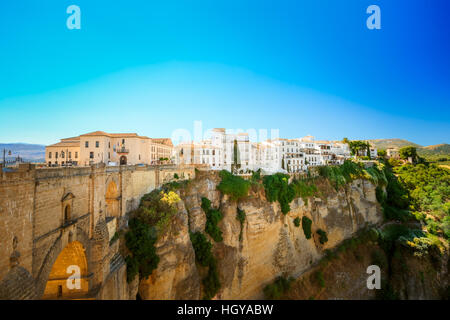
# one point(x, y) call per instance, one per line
point(303, 67)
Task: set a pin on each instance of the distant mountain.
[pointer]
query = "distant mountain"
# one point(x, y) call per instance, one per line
point(438, 149)
point(28, 152)
point(434, 150)
point(393, 143)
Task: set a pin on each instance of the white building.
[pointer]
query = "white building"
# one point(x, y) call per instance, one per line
point(278, 155)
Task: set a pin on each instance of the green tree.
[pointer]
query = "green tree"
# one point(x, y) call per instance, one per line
point(382, 153)
point(140, 240)
point(408, 152)
point(357, 146)
point(236, 158)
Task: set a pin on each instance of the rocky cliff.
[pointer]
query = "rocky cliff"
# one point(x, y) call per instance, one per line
point(269, 244)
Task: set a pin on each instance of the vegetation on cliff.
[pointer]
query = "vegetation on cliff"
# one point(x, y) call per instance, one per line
point(280, 286)
point(306, 225)
point(428, 187)
point(140, 241)
point(323, 238)
point(341, 175)
point(203, 255)
point(146, 223)
point(234, 186)
point(240, 216)
point(278, 189)
point(213, 216)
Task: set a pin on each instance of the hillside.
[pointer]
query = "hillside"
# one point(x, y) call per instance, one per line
point(392, 143)
point(29, 152)
point(438, 149)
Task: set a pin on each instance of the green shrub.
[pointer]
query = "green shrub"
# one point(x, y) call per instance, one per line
point(323, 238)
point(277, 188)
point(306, 225)
point(320, 279)
point(176, 176)
point(140, 241)
point(376, 176)
point(213, 217)
point(211, 283)
point(280, 286)
point(115, 237)
point(297, 222)
point(240, 216)
point(393, 213)
point(202, 248)
point(203, 255)
point(381, 195)
point(256, 176)
point(343, 174)
point(234, 186)
point(146, 223)
point(379, 259)
point(304, 188)
point(157, 208)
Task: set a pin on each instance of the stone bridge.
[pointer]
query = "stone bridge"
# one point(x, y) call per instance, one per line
point(57, 223)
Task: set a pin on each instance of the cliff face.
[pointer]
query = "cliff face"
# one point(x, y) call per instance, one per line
point(271, 244)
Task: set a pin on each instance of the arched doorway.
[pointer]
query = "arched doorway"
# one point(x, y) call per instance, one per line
point(123, 160)
point(71, 262)
point(112, 200)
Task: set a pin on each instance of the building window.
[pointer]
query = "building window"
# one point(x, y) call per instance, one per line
point(49, 163)
point(139, 157)
point(49, 155)
point(86, 144)
point(62, 154)
point(109, 144)
point(97, 144)
point(123, 141)
point(70, 155)
point(76, 155)
point(91, 155)
point(109, 155)
point(67, 213)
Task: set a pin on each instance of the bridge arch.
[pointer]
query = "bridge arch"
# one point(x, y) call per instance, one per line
point(53, 272)
point(71, 260)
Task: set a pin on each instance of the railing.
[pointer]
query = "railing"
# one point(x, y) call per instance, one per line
point(123, 150)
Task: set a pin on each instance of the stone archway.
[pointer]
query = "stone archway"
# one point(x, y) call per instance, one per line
point(52, 255)
point(112, 197)
point(71, 260)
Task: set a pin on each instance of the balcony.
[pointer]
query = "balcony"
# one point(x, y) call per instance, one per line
point(122, 150)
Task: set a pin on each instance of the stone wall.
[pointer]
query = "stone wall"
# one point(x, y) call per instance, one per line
point(43, 210)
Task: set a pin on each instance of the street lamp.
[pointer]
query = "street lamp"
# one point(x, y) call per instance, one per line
point(4, 156)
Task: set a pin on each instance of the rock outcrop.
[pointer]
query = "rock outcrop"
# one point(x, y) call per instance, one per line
point(271, 244)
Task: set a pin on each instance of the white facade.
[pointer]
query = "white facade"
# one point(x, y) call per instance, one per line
point(279, 155)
